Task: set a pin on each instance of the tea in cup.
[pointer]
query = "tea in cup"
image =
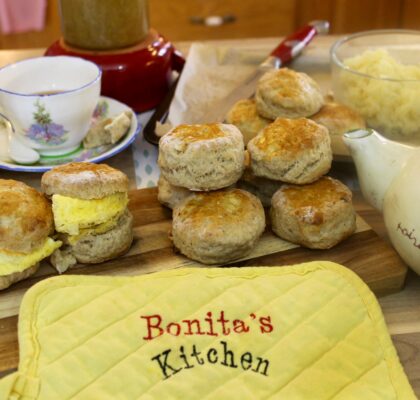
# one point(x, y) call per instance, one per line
point(50, 101)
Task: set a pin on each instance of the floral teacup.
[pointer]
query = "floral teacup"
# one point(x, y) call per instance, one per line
point(49, 101)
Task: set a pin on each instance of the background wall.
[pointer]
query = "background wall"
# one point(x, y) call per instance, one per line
point(252, 18)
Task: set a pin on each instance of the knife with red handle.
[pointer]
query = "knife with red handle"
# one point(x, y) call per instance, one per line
point(288, 49)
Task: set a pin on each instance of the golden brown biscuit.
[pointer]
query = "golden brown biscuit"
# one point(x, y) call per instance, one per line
point(244, 116)
point(318, 215)
point(218, 227)
point(84, 180)
point(202, 157)
point(286, 93)
point(26, 218)
point(338, 118)
point(291, 150)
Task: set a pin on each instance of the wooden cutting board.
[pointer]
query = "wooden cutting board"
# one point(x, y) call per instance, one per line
point(373, 259)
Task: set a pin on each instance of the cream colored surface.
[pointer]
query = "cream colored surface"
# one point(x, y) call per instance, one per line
point(388, 175)
point(401, 212)
point(378, 161)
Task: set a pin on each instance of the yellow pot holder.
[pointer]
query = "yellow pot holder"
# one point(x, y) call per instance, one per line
point(310, 331)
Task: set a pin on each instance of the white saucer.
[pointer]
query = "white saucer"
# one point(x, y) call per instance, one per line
point(107, 107)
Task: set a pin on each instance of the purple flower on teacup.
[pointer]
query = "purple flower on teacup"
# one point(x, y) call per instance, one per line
point(45, 131)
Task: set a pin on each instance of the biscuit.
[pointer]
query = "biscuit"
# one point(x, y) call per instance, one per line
point(287, 94)
point(95, 248)
point(26, 217)
point(202, 157)
point(170, 195)
point(263, 188)
point(244, 116)
point(108, 131)
point(338, 118)
point(84, 180)
point(317, 216)
point(291, 150)
point(218, 227)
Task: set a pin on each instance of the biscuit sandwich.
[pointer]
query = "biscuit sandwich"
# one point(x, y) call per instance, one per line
point(89, 203)
point(26, 221)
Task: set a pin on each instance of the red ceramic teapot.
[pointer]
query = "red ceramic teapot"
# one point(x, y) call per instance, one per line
point(138, 76)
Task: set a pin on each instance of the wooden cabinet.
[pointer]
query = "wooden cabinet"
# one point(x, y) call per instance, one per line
point(273, 18)
point(347, 16)
point(410, 16)
point(185, 19)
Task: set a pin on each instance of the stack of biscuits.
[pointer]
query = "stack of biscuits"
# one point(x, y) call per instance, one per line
point(283, 167)
point(293, 149)
point(212, 221)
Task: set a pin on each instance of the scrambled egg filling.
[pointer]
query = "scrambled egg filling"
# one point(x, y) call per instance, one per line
point(73, 215)
point(11, 262)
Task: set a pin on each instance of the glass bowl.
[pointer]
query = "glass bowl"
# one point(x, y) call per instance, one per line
point(377, 73)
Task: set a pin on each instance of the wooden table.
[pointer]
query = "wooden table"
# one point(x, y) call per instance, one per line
point(401, 310)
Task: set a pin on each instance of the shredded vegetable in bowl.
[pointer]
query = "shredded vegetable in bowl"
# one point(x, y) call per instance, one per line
point(385, 91)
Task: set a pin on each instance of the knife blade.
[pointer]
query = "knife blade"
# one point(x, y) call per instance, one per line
point(288, 49)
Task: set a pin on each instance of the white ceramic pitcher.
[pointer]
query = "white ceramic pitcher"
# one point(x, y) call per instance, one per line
point(389, 176)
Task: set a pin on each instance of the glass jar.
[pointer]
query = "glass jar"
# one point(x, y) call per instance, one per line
point(104, 24)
